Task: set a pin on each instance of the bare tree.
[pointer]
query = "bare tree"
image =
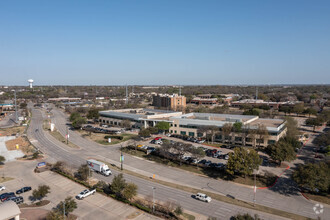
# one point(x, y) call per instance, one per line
point(226, 130)
point(262, 133)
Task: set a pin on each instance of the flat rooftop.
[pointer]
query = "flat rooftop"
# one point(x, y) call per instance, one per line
point(140, 114)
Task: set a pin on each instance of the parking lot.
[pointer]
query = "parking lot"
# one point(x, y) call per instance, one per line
point(95, 206)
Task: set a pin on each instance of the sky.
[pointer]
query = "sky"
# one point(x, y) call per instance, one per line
point(164, 42)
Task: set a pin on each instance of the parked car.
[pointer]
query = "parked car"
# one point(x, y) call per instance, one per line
point(202, 161)
point(85, 193)
point(226, 157)
point(5, 196)
point(23, 190)
point(17, 200)
point(203, 197)
point(2, 188)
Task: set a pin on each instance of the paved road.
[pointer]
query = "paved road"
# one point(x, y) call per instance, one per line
point(284, 195)
point(218, 209)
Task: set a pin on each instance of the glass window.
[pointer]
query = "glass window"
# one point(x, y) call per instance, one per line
point(192, 134)
point(183, 132)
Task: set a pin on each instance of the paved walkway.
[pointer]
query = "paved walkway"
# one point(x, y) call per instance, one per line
point(9, 155)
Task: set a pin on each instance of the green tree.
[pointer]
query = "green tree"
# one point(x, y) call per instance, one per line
point(144, 133)
point(78, 122)
point(281, 151)
point(54, 215)
point(130, 191)
point(93, 113)
point(83, 172)
point(313, 122)
point(243, 161)
point(310, 111)
point(74, 116)
point(70, 205)
point(253, 111)
point(315, 177)
point(41, 192)
point(163, 126)
point(2, 159)
point(323, 139)
point(245, 217)
point(118, 184)
point(237, 129)
point(298, 108)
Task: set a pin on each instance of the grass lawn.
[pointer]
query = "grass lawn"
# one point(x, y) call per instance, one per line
point(318, 198)
point(100, 138)
point(59, 137)
point(5, 179)
point(188, 216)
point(261, 181)
point(12, 130)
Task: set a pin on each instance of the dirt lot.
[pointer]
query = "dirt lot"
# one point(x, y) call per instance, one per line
point(12, 131)
point(23, 144)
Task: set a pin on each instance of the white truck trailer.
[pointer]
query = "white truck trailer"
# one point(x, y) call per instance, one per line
point(99, 167)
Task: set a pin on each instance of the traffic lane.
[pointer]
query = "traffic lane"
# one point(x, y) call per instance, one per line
point(205, 184)
point(163, 194)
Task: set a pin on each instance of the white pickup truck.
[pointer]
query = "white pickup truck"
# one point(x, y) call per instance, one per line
point(85, 193)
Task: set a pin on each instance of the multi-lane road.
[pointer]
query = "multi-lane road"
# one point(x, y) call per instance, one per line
point(59, 151)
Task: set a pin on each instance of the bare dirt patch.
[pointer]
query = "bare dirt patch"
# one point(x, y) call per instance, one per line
point(12, 131)
point(22, 143)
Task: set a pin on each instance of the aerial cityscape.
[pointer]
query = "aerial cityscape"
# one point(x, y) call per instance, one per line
point(183, 110)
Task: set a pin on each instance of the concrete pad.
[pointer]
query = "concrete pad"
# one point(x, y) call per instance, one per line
point(9, 155)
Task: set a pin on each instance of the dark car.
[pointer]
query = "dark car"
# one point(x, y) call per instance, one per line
point(17, 200)
point(23, 190)
point(5, 196)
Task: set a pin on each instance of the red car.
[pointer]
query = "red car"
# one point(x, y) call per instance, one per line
point(157, 138)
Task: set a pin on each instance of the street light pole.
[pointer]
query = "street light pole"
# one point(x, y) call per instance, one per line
point(255, 190)
point(121, 157)
point(153, 199)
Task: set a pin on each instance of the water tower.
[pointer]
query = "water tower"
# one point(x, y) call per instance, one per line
point(31, 83)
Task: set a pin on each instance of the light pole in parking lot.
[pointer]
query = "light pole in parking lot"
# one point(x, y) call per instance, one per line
point(153, 199)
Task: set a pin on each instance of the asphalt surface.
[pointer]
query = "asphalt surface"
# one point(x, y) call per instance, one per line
point(75, 157)
point(8, 121)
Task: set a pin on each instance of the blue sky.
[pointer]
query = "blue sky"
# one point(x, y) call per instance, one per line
point(164, 42)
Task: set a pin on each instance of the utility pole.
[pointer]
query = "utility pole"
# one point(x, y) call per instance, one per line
point(16, 117)
point(153, 199)
point(255, 190)
point(64, 209)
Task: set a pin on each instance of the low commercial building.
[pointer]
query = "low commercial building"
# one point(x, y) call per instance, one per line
point(9, 211)
point(138, 118)
point(204, 101)
point(260, 102)
point(191, 125)
point(173, 102)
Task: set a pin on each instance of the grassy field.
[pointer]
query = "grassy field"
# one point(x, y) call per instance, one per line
point(216, 174)
point(59, 137)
